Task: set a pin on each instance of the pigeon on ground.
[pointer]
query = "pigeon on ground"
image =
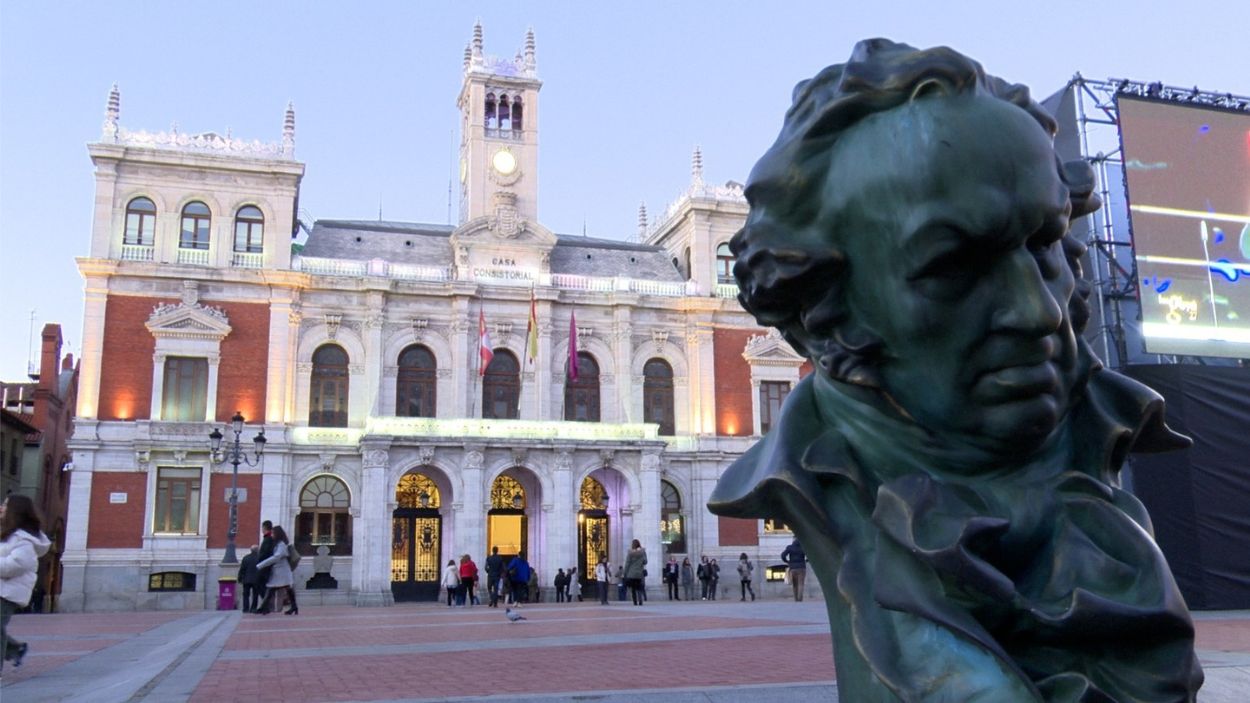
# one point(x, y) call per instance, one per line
point(513, 615)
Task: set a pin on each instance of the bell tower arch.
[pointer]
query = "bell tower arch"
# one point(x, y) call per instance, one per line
point(498, 105)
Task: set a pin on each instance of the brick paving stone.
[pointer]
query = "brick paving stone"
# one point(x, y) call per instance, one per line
point(676, 653)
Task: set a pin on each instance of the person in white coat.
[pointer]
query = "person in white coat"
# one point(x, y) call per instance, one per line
point(22, 542)
point(451, 580)
point(280, 576)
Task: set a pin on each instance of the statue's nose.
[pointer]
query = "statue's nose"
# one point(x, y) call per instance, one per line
point(1027, 305)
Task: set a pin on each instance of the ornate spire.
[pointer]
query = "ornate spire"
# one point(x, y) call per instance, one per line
point(111, 114)
point(530, 63)
point(468, 56)
point(288, 131)
point(642, 221)
point(477, 39)
point(696, 168)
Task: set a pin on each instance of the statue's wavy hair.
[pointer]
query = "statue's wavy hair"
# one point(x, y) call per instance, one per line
point(789, 266)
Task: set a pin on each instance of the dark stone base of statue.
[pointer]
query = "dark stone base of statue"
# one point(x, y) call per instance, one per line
point(951, 467)
point(321, 581)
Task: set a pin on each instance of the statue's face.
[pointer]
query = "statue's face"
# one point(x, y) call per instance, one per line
point(950, 212)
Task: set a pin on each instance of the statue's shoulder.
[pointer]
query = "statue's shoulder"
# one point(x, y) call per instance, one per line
point(781, 462)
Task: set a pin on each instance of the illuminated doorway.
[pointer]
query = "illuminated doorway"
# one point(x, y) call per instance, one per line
point(416, 539)
point(507, 528)
point(593, 533)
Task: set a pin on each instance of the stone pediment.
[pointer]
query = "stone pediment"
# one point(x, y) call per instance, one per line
point(188, 321)
point(771, 349)
point(499, 231)
point(483, 251)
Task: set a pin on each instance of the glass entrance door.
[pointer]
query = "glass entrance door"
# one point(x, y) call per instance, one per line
point(592, 543)
point(416, 552)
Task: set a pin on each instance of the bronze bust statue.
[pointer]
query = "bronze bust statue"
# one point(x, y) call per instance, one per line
point(951, 465)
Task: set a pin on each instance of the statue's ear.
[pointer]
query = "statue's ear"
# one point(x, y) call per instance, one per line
point(929, 87)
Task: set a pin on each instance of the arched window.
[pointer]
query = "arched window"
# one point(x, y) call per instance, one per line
point(686, 271)
point(505, 114)
point(490, 111)
point(415, 386)
point(672, 525)
point(140, 223)
point(657, 395)
point(724, 264)
point(516, 115)
point(324, 517)
point(196, 219)
point(581, 395)
point(249, 230)
point(327, 406)
point(501, 387)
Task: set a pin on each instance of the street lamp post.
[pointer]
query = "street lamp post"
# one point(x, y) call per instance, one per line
point(235, 455)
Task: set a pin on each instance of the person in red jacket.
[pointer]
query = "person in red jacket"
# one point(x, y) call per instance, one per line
point(468, 578)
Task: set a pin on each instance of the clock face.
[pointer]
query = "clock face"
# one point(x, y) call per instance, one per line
point(504, 162)
point(464, 169)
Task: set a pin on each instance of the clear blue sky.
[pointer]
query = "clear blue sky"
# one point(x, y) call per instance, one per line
point(629, 90)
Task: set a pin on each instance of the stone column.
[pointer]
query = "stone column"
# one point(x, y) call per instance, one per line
point(280, 357)
point(371, 543)
point(471, 507)
point(701, 400)
point(623, 353)
point(96, 300)
point(158, 390)
point(647, 518)
point(562, 530)
point(372, 334)
point(463, 363)
point(74, 560)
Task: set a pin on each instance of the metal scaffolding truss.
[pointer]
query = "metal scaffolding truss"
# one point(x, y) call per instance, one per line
point(1113, 267)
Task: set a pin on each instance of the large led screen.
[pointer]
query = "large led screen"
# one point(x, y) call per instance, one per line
point(1188, 178)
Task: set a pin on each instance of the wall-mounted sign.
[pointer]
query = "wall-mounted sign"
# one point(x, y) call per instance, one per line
point(242, 495)
point(117, 497)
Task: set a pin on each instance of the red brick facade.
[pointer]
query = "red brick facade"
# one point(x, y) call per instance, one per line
point(739, 533)
point(126, 362)
point(118, 525)
point(241, 378)
point(219, 511)
point(733, 382)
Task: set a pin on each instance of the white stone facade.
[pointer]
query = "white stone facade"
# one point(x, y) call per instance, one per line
point(373, 306)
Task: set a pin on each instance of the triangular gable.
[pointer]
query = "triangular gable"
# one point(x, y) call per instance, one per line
point(771, 349)
point(194, 321)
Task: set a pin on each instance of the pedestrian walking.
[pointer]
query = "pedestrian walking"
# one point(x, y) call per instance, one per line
point(249, 577)
point(687, 579)
point(636, 570)
point(672, 577)
point(22, 542)
point(278, 586)
point(262, 575)
point(468, 581)
point(704, 575)
point(619, 579)
point(519, 576)
point(796, 559)
point(494, 567)
point(603, 578)
point(713, 578)
point(561, 582)
point(745, 569)
point(451, 581)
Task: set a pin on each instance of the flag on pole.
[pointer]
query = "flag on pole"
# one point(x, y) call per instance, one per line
point(531, 332)
point(484, 341)
point(572, 346)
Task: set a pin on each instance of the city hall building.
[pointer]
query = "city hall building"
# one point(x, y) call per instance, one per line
point(424, 390)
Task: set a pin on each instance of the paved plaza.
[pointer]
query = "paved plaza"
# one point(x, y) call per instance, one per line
point(724, 651)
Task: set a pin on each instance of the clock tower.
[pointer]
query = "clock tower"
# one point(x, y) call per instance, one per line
point(499, 135)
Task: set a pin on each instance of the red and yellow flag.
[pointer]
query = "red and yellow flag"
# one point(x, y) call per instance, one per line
point(531, 332)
